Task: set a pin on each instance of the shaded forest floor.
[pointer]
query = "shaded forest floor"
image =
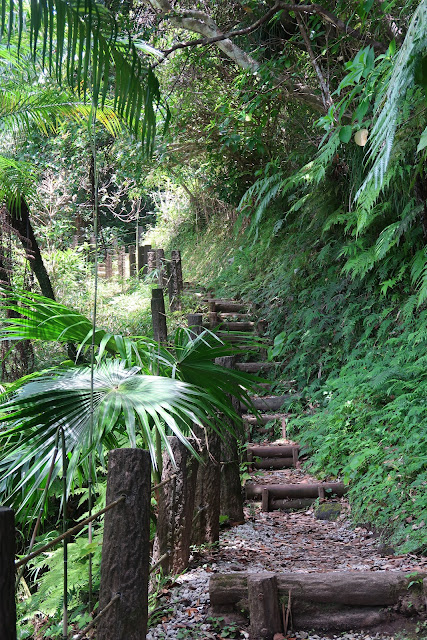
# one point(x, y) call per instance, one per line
point(276, 541)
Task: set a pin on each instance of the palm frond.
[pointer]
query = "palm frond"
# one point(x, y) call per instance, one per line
point(44, 107)
point(16, 180)
point(79, 42)
point(124, 402)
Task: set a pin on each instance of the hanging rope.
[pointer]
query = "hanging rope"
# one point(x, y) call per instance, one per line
point(92, 131)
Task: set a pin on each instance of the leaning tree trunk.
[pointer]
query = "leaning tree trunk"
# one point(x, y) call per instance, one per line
point(19, 220)
point(16, 360)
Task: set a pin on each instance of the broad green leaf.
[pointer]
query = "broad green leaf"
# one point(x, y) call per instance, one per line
point(345, 133)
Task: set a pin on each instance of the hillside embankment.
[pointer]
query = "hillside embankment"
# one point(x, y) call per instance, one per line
point(354, 351)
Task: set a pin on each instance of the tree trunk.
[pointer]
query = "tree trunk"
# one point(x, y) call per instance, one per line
point(19, 220)
point(7, 575)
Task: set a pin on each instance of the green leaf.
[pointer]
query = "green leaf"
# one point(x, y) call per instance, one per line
point(423, 141)
point(345, 133)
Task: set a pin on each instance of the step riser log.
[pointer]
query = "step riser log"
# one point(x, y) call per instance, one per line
point(263, 419)
point(275, 403)
point(254, 367)
point(273, 463)
point(254, 491)
point(274, 451)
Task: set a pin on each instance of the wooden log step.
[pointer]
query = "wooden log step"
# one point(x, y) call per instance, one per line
point(242, 327)
point(254, 367)
point(354, 588)
point(263, 418)
point(273, 463)
point(237, 326)
point(265, 385)
point(270, 403)
point(272, 451)
point(303, 490)
point(338, 600)
point(235, 316)
point(224, 306)
point(229, 336)
point(291, 505)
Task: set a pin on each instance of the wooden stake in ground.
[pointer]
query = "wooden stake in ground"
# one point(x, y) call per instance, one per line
point(207, 500)
point(231, 489)
point(132, 261)
point(195, 323)
point(264, 613)
point(161, 268)
point(173, 288)
point(145, 251)
point(121, 263)
point(151, 262)
point(7, 575)
point(108, 266)
point(176, 257)
point(175, 509)
point(126, 547)
point(158, 315)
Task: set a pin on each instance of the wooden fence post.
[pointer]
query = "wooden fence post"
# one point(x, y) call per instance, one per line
point(158, 315)
point(126, 547)
point(195, 324)
point(139, 249)
point(231, 489)
point(173, 289)
point(7, 575)
point(132, 260)
point(207, 495)
point(175, 509)
point(121, 262)
point(160, 266)
point(108, 266)
point(151, 262)
point(264, 611)
point(176, 257)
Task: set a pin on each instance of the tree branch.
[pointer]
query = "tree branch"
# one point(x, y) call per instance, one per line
point(224, 36)
point(327, 99)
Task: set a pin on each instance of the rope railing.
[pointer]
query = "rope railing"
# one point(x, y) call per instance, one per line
point(80, 525)
point(91, 624)
point(68, 533)
point(162, 484)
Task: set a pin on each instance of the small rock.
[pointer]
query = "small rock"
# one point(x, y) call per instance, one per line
point(328, 511)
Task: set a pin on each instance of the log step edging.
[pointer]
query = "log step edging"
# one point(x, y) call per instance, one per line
point(263, 418)
point(352, 588)
point(272, 450)
point(302, 490)
point(271, 403)
point(254, 367)
point(338, 600)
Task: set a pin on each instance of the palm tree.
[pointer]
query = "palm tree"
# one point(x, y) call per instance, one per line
point(142, 392)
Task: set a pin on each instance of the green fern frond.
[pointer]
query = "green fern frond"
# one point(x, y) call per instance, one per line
point(382, 135)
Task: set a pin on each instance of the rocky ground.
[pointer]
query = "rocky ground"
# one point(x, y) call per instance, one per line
point(273, 541)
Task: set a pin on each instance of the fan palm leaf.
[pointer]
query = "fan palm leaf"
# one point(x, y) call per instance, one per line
point(124, 402)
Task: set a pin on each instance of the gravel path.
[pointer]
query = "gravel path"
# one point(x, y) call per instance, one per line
point(272, 541)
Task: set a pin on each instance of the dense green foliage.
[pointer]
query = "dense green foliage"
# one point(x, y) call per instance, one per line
point(266, 191)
